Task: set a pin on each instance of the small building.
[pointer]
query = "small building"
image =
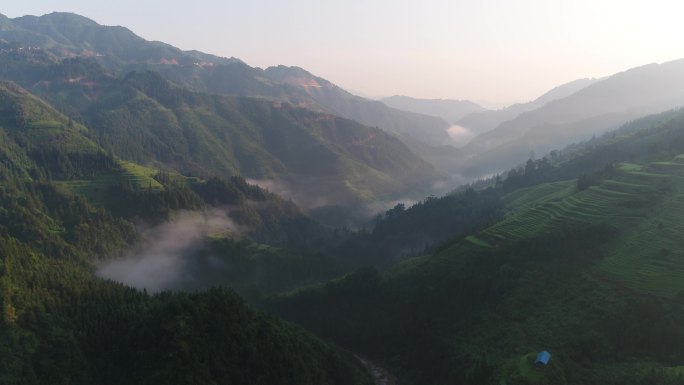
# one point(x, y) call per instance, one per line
point(543, 358)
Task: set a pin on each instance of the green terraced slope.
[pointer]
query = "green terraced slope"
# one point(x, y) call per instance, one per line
point(96, 189)
point(584, 259)
point(644, 203)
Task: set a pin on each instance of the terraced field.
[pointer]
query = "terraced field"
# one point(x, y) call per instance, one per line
point(644, 203)
point(95, 189)
point(598, 204)
point(649, 258)
point(542, 193)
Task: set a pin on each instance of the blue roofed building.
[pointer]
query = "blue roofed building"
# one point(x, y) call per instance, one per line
point(543, 358)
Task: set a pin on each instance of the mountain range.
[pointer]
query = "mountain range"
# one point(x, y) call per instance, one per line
point(520, 129)
point(449, 110)
point(592, 110)
point(136, 243)
point(120, 50)
point(483, 121)
point(144, 118)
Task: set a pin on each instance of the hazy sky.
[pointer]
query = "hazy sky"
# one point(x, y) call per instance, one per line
point(495, 50)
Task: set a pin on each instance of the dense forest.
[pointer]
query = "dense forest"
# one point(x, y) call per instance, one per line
point(63, 325)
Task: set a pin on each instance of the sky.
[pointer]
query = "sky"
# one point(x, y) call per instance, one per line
point(497, 51)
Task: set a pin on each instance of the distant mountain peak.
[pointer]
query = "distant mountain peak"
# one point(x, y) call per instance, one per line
point(305, 80)
point(483, 121)
point(448, 109)
point(119, 51)
point(297, 76)
point(289, 69)
point(406, 97)
point(70, 16)
point(59, 17)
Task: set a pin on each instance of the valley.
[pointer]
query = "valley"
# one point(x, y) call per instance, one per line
point(171, 216)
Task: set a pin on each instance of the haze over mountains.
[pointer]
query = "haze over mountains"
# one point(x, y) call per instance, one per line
point(497, 139)
point(118, 49)
point(592, 110)
point(449, 110)
point(480, 122)
point(129, 162)
point(272, 142)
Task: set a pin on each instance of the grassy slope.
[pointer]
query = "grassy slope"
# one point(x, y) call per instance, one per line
point(644, 203)
point(555, 303)
point(31, 128)
point(30, 120)
point(95, 189)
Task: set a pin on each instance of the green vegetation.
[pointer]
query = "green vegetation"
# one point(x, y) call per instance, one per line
point(98, 188)
point(578, 253)
point(402, 232)
point(146, 120)
point(256, 269)
point(62, 325)
point(63, 35)
point(588, 268)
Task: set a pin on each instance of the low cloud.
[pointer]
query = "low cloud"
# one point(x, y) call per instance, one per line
point(460, 135)
point(278, 187)
point(161, 260)
point(306, 192)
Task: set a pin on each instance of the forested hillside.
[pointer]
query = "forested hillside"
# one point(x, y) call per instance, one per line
point(586, 266)
point(118, 49)
point(63, 325)
point(146, 119)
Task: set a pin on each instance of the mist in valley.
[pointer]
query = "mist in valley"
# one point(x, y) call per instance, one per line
point(460, 135)
point(164, 256)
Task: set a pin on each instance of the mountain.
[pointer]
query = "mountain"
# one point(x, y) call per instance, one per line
point(411, 126)
point(449, 110)
point(69, 35)
point(593, 110)
point(62, 324)
point(483, 121)
point(209, 74)
point(146, 119)
point(585, 263)
point(119, 50)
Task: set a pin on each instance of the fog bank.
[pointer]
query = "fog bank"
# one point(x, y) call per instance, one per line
point(160, 260)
